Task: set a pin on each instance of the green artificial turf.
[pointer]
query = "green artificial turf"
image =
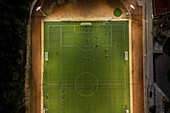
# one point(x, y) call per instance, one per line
point(86, 71)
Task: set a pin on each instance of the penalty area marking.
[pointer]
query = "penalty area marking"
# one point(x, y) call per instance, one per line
point(61, 37)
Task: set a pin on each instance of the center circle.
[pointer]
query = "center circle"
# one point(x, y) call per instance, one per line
point(86, 84)
point(86, 47)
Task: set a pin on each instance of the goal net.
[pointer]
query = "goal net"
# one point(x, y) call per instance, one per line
point(86, 24)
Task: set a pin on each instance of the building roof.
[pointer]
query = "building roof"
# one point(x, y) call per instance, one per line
point(160, 7)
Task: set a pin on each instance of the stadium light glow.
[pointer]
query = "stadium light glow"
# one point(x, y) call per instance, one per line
point(39, 9)
point(132, 6)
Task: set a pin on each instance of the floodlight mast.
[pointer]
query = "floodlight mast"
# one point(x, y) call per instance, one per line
point(39, 9)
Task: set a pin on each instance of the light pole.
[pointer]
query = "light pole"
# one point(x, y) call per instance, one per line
point(39, 9)
point(131, 7)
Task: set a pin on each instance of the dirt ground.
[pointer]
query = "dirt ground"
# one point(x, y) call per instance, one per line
point(89, 10)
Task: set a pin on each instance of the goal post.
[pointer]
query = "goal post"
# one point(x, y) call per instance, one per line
point(46, 56)
point(127, 111)
point(85, 24)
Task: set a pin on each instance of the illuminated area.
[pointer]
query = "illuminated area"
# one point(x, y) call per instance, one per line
point(86, 67)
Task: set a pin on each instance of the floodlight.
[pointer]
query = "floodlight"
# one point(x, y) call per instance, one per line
point(38, 8)
point(132, 6)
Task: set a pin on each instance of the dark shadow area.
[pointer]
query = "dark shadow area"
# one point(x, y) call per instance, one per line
point(13, 26)
point(161, 67)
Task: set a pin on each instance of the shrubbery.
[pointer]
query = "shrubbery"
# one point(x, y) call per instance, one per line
point(166, 47)
point(14, 14)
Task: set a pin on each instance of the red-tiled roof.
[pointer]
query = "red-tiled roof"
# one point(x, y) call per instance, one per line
point(161, 7)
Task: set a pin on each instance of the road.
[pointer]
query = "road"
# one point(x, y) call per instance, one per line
point(149, 55)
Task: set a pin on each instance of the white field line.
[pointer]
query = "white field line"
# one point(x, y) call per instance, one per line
point(130, 67)
point(124, 65)
point(75, 46)
point(101, 84)
point(111, 35)
point(83, 19)
point(42, 66)
point(48, 36)
point(61, 37)
point(86, 32)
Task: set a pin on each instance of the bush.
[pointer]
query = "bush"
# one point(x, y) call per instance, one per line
point(168, 75)
point(166, 47)
point(159, 37)
point(156, 32)
point(14, 14)
point(152, 109)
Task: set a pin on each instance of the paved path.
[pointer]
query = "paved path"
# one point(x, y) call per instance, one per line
point(157, 95)
point(149, 55)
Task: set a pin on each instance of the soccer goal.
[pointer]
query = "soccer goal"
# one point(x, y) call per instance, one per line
point(85, 24)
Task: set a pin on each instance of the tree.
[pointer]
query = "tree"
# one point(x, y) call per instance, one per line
point(152, 109)
point(166, 47)
point(159, 37)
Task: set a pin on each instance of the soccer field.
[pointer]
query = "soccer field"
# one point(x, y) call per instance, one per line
point(86, 67)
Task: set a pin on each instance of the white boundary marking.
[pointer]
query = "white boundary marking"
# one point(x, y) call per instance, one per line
point(100, 84)
point(130, 54)
point(130, 67)
point(125, 73)
point(42, 66)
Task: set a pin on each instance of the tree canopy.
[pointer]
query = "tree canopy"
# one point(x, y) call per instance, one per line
point(14, 14)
